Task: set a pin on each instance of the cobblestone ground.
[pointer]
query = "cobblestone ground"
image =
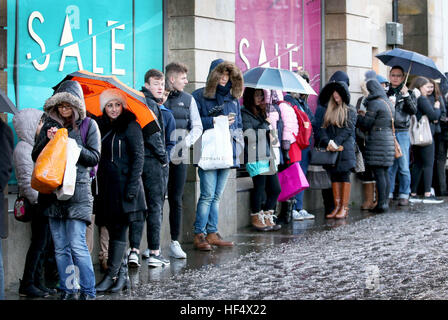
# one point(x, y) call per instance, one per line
point(398, 255)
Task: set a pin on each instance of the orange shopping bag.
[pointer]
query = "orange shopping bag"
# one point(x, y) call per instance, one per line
point(49, 170)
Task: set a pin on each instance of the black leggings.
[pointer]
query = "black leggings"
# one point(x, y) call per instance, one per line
point(382, 182)
point(176, 184)
point(423, 165)
point(268, 184)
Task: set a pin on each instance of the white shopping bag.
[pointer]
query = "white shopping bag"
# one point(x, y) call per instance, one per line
point(67, 189)
point(217, 150)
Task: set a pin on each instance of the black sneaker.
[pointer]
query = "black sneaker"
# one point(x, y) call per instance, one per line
point(157, 261)
point(43, 288)
point(432, 200)
point(415, 199)
point(30, 291)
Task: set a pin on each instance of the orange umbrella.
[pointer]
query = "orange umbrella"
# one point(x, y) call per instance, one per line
point(93, 85)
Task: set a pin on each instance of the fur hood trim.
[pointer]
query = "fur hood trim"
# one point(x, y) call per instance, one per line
point(70, 92)
point(235, 77)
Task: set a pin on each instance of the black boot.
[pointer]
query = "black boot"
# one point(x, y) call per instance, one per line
point(123, 281)
point(285, 215)
point(116, 252)
point(30, 291)
point(381, 207)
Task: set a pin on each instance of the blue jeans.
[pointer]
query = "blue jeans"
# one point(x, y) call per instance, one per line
point(304, 165)
point(402, 166)
point(72, 256)
point(2, 275)
point(212, 184)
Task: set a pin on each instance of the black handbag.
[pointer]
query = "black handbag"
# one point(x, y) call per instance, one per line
point(322, 157)
point(23, 209)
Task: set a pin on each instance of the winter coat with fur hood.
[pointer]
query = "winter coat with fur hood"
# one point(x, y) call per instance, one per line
point(25, 124)
point(215, 100)
point(120, 185)
point(79, 206)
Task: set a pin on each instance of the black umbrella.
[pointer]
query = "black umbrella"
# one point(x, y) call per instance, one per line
point(414, 62)
point(6, 105)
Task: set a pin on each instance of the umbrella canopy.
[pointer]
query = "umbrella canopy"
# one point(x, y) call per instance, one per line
point(415, 63)
point(6, 105)
point(93, 85)
point(276, 79)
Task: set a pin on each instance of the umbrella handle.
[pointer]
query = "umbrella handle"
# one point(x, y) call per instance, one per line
point(407, 76)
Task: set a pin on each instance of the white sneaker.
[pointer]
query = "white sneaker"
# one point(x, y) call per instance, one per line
point(145, 254)
point(133, 259)
point(176, 251)
point(302, 215)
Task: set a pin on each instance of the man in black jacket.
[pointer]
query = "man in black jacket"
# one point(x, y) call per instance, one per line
point(405, 106)
point(6, 147)
point(155, 168)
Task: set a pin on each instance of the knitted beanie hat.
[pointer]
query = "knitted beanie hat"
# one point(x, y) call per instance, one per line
point(112, 94)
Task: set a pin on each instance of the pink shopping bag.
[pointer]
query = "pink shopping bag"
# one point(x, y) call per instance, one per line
point(292, 181)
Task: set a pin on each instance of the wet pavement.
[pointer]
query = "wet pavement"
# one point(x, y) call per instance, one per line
point(402, 254)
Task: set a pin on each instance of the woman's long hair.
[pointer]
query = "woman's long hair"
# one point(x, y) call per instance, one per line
point(418, 83)
point(436, 93)
point(335, 115)
point(249, 102)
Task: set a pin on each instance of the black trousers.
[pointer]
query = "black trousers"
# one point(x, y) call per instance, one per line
point(382, 180)
point(423, 165)
point(265, 184)
point(176, 184)
point(35, 257)
point(439, 177)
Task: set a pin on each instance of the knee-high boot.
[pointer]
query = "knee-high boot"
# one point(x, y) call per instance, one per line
point(369, 195)
point(116, 252)
point(123, 281)
point(343, 211)
point(336, 187)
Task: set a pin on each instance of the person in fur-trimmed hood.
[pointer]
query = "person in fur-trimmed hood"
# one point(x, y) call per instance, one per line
point(219, 98)
point(68, 219)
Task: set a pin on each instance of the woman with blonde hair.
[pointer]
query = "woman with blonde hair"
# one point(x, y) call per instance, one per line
point(337, 134)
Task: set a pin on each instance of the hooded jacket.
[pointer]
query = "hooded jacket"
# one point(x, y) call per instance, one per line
point(25, 124)
point(344, 136)
point(322, 106)
point(119, 179)
point(377, 123)
point(214, 100)
point(79, 206)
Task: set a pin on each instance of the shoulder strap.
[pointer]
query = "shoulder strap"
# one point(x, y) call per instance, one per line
point(84, 128)
point(391, 115)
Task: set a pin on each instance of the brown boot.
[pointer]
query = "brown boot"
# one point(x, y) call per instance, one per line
point(259, 222)
point(269, 220)
point(336, 186)
point(369, 193)
point(201, 243)
point(215, 239)
point(343, 211)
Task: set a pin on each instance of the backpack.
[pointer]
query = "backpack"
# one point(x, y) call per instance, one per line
point(305, 127)
point(84, 128)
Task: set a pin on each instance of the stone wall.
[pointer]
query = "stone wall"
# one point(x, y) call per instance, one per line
point(354, 32)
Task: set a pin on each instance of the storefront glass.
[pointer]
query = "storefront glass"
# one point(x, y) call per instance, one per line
point(48, 39)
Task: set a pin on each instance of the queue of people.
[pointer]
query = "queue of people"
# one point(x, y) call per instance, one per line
point(138, 168)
